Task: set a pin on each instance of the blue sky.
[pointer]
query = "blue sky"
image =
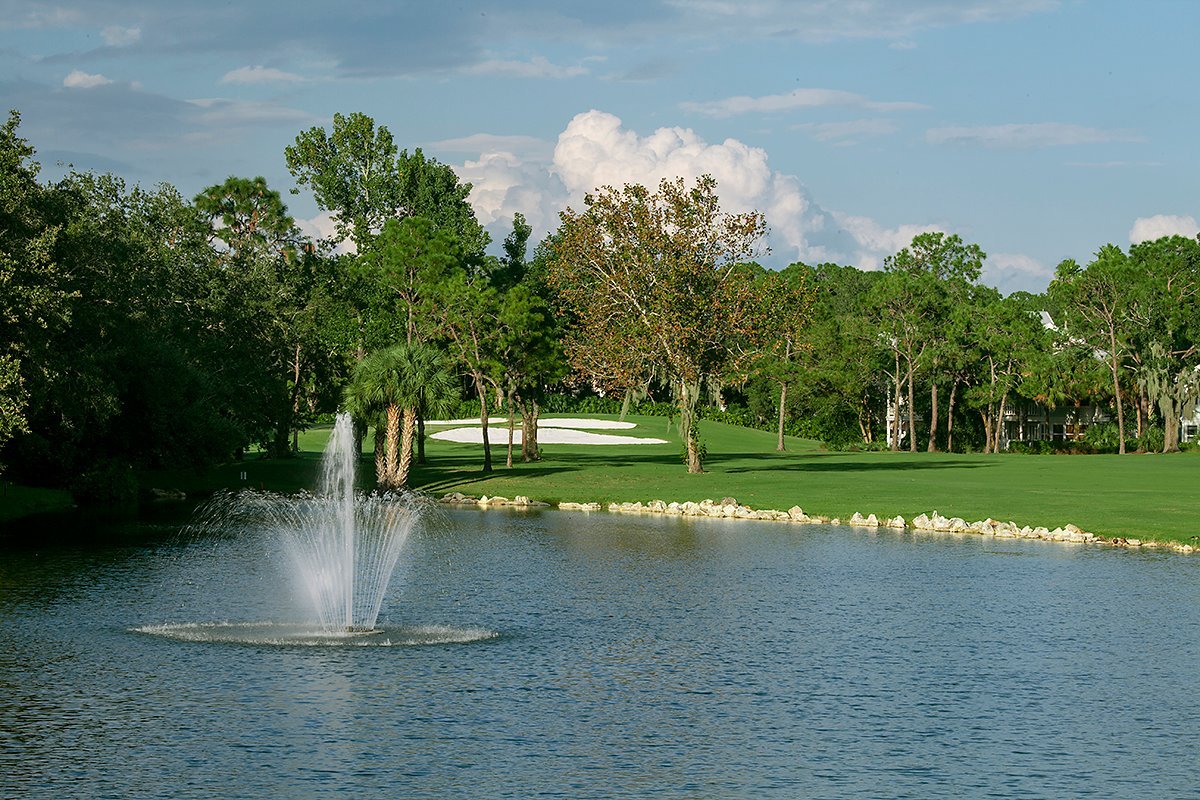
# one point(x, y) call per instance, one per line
point(1039, 129)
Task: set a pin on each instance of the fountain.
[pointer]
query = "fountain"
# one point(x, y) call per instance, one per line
point(341, 546)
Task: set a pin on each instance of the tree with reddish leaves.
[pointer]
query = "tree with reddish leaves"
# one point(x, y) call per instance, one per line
point(651, 280)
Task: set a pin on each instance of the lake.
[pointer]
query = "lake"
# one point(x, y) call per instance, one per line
point(558, 654)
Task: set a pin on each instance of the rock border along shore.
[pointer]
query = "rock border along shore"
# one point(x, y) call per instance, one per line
point(729, 508)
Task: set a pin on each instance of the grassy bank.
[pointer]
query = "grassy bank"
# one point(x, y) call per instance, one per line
point(23, 501)
point(1144, 496)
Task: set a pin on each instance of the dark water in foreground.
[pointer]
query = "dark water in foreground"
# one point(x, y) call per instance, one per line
point(631, 657)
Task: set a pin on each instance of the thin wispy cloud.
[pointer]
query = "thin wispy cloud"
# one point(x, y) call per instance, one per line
point(260, 74)
point(792, 101)
point(116, 36)
point(1025, 136)
point(78, 79)
point(847, 131)
point(536, 67)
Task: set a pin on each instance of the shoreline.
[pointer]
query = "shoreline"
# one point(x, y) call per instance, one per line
point(729, 508)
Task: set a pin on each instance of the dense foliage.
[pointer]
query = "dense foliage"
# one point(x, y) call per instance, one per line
point(139, 329)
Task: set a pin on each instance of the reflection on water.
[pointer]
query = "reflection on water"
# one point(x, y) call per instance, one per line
point(574, 656)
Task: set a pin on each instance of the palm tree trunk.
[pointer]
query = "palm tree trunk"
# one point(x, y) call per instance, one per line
point(391, 458)
point(407, 437)
point(421, 436)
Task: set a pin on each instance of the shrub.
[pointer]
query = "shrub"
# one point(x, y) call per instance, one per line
point(109, 483)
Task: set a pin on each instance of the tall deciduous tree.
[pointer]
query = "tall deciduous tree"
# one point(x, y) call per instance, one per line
point(651, 279)
point(352, 171)
point(1096, 302)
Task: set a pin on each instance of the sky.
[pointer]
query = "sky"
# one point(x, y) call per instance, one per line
point(1038, 129)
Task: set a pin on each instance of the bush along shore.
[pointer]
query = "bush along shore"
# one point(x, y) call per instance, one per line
point(729, 508)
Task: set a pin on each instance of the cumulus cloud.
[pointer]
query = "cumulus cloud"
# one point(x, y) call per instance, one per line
point(116, 36)
point(1147, 229)
point(1010, 272)
point(260, 74)
point(78, 79)
point(1022, 136)
point(796, 99)
point(596, 149)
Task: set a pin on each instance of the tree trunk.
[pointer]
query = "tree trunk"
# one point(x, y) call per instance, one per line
point(407, 437)
point(512, 421)
point(1115, 366)
point(894, 444)
point(950, 418)
point(536, 449)
point(421, 436)
point(689, 394)
point(296, 401)
point(985, 413)
point(782, 405)
point(391, 458)
point(912, 412)
point(483, 423)
point(1000, 421)
point(380, 465)
point(626, 403)
point(933, 419)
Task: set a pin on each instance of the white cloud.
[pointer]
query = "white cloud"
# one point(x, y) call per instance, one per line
point(78, 79)
point(220, 112)
point(536, 67)
point(260, 74)
point(527, 146)
point(1011, 272)
point(848, 131)
point(798, 98)
point(322, 227)
point(1147, 229)
point(1020, 136)
point(116, 36)
point(595, 149)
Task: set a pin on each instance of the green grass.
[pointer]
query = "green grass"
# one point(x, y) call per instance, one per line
point(1150, 497)
point(1144, 496)
point(22, 501)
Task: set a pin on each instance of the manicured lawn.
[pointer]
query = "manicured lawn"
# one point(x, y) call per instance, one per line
point(1142, 496)
point(21, 501)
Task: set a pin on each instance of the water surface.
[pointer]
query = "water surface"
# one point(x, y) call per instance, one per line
point(616, 657)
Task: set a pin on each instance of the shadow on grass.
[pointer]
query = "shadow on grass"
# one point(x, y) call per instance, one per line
point(857, 466)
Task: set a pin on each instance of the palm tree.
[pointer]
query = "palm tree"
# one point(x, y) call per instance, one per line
point(397, 382)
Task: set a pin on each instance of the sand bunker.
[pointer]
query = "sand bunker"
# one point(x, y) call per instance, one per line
point(546, 422)
point(546, 435)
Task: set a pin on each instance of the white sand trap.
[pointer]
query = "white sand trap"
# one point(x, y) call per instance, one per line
point(563, 422)
point(545, 436)
point(587, 424)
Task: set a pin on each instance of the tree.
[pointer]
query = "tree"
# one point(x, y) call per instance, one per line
point(353, 174)
point(1096, 302)
point(650, 278)
point(1166, 345)
point(33, 298)
point(396, 382)
point(786, 301)
point(249, 218)
point(924, 282)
